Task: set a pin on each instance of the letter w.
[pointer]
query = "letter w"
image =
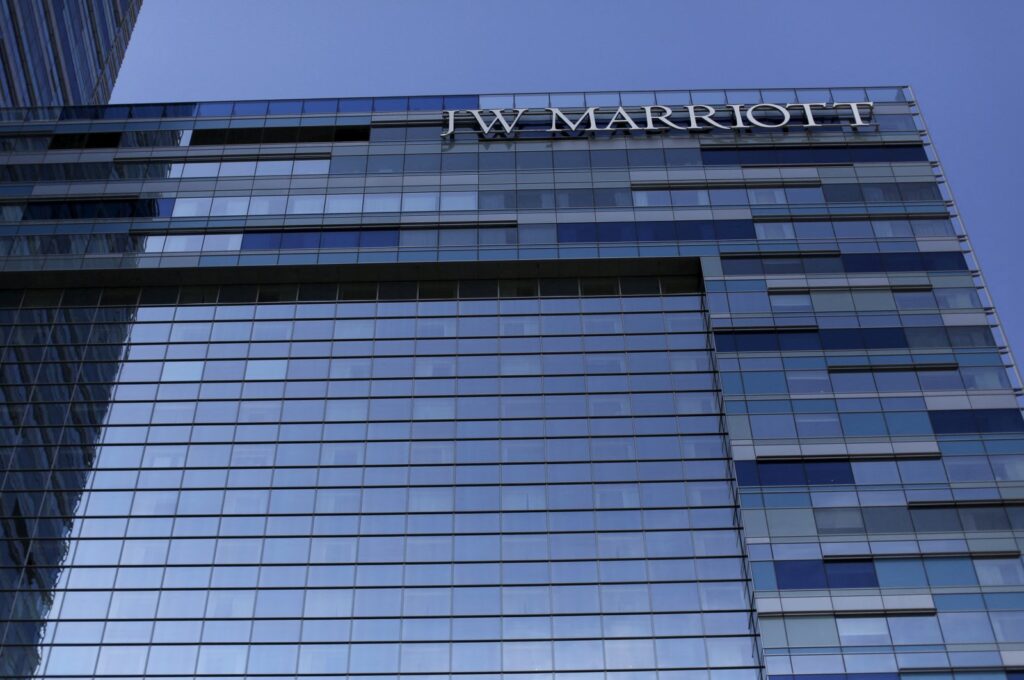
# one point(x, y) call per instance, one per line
point(486, 128)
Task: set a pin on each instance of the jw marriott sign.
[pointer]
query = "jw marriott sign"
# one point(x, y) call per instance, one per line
point(694, 117)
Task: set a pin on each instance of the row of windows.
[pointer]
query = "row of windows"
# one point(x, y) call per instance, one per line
point(433, 201)
point(853, 263)
point(423, 657)
point(437, 103)
point(359, 130)
point(948, 470)
point(876, 192)
point(854, 229)
point(459, 560)
point(391, 430)
point(384, 328)
point(106, 244)
point(417, 576)
point(541, 159)
point(98, 172)
point(463, 498)
point(202, 496)
point(22, 246)
point(425, 163)
point(35, 301)
point(843, 300)
point(758, 473)
point(576, 232)
point(755, 366)
point(779, 522)
point(525, 334)
point(328, 455)
point(283, 107)
point(888, 423)
point(944, 628)
point(117, 473)
point(911, 572)
point(869, 472)
point(352, 378)
point(852, 382)
point(412, 628)
point(432, 163)
point(787, 155)
point(509, 200)
point(919, 337)
point(422, 408)
point(421, 601)
point(108, 518)
point(241, 135)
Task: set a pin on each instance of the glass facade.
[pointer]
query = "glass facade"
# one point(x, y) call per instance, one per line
point(62, 52)
point(303, 389)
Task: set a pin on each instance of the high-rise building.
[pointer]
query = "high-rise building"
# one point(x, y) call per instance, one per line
point(62, 52)
point(675, 385)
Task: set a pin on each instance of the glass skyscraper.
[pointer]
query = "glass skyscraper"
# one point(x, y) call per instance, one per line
point(634, 386)
point(59, 52)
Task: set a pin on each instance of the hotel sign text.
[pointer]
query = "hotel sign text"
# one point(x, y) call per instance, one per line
point(694, 117)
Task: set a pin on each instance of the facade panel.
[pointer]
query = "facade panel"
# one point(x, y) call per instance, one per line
point(706, 387)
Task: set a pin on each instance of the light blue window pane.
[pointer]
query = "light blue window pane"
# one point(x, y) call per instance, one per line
point(863, 424)
point(318, 166)
point(274, 168)
point(344, 203)
point(690, 197)
point(200, 170)
point(71, 660)
point(266, 369)
point(174, 371)
point(183, 244)
point(382, 202)
point(229, 205)
point(420, 201)
point(863, 631)
point(908, 423)
point(966, 627)
point(736, 651)
point(326, 658)
point(773, 426)
point(267, 205)
point(649, 199)
point(685, 653)
point(305, 205)
point(626, 654)
point(576, 655)
point(458, 200)
point(901, 573)
point(476, 656)
point(950, 571)
point(222, 659)
point(222, 242)
point(176, 659)
point(1000, 572)
point(915, 630)
point(191, 207)
point(237, 168)
point(767, 196)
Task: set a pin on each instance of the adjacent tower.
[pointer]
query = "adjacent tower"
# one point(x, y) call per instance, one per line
point(58, 52)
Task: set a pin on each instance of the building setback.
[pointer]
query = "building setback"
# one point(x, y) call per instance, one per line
point(676, 385)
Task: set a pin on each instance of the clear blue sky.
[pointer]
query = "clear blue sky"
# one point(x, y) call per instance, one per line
point(963, 58)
